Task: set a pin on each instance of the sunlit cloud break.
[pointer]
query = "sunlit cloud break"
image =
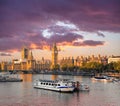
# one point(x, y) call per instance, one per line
point(66, 25)
point(63, 33)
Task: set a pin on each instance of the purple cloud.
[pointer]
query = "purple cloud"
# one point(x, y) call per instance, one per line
point(23, 21)
point(69, 37)
point(89, 16)
point(89, 43)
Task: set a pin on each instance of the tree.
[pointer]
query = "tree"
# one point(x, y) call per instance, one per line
point(93, 66)
point(116, 66)
point(64, 67)
point(55, 67)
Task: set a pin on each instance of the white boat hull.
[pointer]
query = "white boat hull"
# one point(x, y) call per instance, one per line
point(103, 80)
point(54, 88)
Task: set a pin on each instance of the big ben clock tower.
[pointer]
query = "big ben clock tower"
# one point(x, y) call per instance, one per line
point(54, 56)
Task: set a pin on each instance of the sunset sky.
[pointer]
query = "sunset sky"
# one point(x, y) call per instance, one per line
point(79, 27)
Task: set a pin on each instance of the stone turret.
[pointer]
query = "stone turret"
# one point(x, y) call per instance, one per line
point(25, 53)
point(30, 56)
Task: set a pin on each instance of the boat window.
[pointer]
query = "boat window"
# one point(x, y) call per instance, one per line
point(46, 83)
point(58, 84)
point(52, 84)
point(49, 83)
point(41, 83)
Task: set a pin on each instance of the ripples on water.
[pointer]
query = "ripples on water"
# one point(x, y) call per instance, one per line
point(23, 93)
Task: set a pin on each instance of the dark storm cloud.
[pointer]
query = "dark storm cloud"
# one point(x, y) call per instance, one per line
point(69, 37)
point(17, 17)
point(5, 35)
point(59, 29)
point(88, 15)
point(89, 43)
point(11, 45)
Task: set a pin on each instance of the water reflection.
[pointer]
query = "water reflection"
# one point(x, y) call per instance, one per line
point(78, 78)
point(54, 77)
point(23, 93)
point(26, 77)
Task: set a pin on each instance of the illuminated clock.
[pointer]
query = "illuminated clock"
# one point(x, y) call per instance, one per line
point(56, 52)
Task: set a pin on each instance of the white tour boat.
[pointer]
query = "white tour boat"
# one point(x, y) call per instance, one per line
point(63, 85)
point(7, 77)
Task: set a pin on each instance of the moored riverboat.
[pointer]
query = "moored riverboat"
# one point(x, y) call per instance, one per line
point(6, 77)
point(103, 78)
point(61, 85)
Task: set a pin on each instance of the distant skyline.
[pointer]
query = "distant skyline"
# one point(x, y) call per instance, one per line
point(79, 27)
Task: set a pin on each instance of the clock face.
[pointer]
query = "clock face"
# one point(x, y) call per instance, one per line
point(55, 51)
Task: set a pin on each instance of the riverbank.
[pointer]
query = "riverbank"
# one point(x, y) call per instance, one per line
point(71, 73)
point(67, 73)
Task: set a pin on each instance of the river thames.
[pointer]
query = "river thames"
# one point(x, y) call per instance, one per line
point(23, 93)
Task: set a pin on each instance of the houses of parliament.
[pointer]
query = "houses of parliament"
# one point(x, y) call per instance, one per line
point(28, 63)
